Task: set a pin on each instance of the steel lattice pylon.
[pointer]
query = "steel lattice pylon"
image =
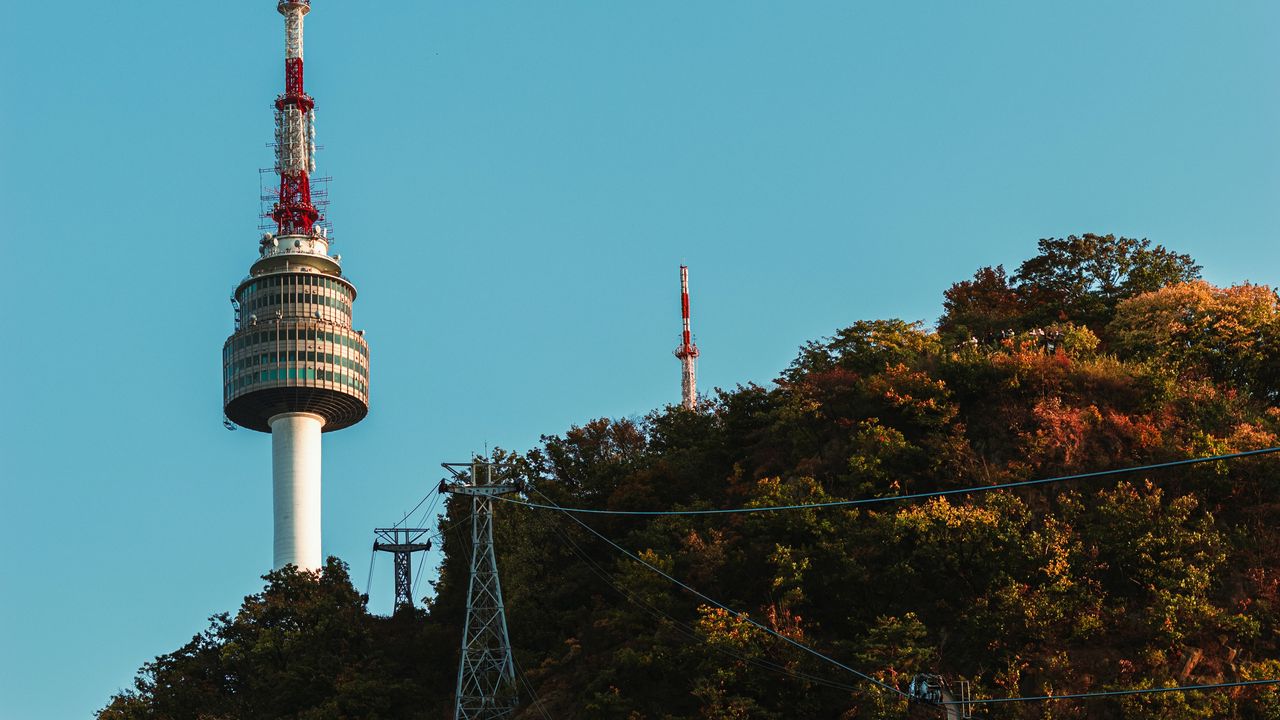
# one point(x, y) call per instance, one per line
point(486, 672)
point(402, 543)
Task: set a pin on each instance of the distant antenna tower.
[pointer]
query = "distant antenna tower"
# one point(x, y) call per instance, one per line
point(687, 352)
point(486, 671)
point(402, 543)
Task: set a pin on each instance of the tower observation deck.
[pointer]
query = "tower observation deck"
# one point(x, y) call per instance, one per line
point(293, 366)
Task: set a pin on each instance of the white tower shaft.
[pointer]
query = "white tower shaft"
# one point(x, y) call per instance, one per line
point(295, 479)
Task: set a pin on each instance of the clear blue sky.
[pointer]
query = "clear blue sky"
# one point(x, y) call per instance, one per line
point(515, 185)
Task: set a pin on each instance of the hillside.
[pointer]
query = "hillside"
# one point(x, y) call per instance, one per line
point(1098, 352)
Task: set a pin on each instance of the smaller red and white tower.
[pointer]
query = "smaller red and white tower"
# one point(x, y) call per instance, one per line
point(687, 352)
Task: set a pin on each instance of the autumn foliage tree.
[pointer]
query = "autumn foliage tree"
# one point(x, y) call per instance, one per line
point(1078, 280)
point(1229, 334)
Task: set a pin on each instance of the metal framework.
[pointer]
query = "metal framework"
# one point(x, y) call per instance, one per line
point(402, 543)
point(294, 212)
point(486, 671)
point(955, 702)
point(687, 352)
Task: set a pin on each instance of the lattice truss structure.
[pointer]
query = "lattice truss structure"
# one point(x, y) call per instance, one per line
point(402, 543)
point(295, 140)
point(294, 212)
point(486, 672)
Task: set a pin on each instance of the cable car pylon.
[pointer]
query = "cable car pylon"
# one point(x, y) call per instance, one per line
point(402, 542)
point(486, 671)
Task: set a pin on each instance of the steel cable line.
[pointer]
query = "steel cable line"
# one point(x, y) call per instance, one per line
point(773, 666)
point(368, 583)
point(415, 508)
point(430, 509)
point(896, 498)
point(689, 632)
point(525, 681)
point(417, 578)
point(1115, 693)
point(551, 505)
point(440, 536)
point(425, 514)
point(726, 608)
point(374, 557)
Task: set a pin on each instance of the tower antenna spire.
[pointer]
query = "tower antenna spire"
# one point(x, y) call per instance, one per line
point(687, 352)
point(294, 212)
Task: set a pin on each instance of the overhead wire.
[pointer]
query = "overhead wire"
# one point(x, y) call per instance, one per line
point(1115, 693)
point(415, 508)
point(551, 505)
point(421, 521)
point(440, 536)
point(898, 498)
point(571, 511)
point(417, 579)
point(688, 631)
point(374, 555)
point(368, 583)
point(430, 509)
point(529, 688)
point(741, 616)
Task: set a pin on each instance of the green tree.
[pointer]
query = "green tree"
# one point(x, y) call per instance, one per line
point(304, 648)
point(1082, 278)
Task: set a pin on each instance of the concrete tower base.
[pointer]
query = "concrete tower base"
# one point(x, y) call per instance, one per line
point(295, 478)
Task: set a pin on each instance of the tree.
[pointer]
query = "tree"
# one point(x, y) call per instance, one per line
point(1228, 334)
point(867, 346)
point(982, 307)
point(1083, 278)
point(306, 648)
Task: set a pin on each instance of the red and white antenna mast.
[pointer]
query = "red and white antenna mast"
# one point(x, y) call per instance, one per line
point(294, 212)
point(687, 352)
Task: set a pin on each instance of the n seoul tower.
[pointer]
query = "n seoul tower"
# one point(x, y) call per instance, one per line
point(294, 367)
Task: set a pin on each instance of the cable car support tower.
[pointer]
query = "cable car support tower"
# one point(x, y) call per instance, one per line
point(486, 671)
point(402, 543)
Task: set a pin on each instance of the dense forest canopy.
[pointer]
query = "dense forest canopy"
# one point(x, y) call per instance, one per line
point(1099, 352)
